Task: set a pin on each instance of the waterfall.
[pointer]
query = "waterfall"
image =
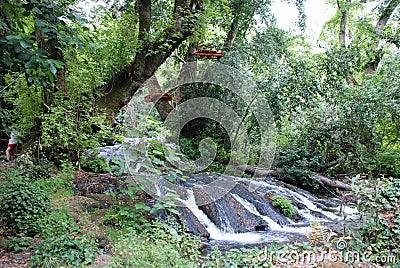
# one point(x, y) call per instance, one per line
point(248, 217)
point(271, 223)
point(215, 232)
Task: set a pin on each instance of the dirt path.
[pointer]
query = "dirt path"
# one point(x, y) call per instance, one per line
point(8, 260)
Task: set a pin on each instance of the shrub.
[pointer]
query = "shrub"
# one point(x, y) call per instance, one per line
point(298, 163)
point(389, 161)
point(284, 204)
point(92, 162)
point(378, 230)
point(19, 243)
point(160, 246)
point(22, 205)
point(62, 250)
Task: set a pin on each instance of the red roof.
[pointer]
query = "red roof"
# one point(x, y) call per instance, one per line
point(157, 96)
point(209, 53)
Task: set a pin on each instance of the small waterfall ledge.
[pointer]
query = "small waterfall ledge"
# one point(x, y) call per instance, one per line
point(246, 216)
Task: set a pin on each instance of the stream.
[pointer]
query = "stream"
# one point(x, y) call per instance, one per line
point(237, 212)
point(245, 218)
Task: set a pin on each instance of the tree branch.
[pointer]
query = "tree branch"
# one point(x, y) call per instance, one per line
point(262, 172)
point(334, 163)
point(122, 86)
point(332, 183)
point(385, 16)
point(371, 66)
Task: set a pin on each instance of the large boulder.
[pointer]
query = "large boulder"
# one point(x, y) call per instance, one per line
point(230, 216)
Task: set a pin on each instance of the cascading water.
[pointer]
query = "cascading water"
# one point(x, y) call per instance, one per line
point(245, 213)
point(247, 217)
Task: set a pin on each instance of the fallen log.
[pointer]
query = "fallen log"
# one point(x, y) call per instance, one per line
point(333, 183)
point(262, 172)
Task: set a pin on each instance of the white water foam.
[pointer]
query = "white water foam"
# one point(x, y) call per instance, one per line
point(300, 198)
point(271, 223)
point(277, 231)
point(215, 233)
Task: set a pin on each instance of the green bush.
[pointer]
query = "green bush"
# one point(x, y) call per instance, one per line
point(64, 250)
point(19, 243)
point(160, 246)
point(298, 163)
point(30, 171)
point(22, 206)
point(378, 230)
point(284, 204)
point(390, 162)
point(91, 162)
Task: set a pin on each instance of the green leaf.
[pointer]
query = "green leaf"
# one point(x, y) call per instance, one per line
point(37, 11)
point(24, 44)
point(24, 56)
point(142, 206)
point(53, 69)
point(41, 23)
point(58, 64)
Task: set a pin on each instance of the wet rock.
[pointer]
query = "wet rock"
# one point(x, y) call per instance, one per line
point(262, 204)
point(191, 222)
point(231, 216)
point(116, 156)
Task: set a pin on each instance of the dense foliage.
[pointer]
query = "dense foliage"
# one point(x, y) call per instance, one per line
point(65, 74)
point(380, 214)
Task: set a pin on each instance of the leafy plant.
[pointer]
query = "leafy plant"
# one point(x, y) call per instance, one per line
point(92, 162)
point(19, 243)
point(72, 127)
point(64, 250)
point(378, 204)
point(284, 204)
point(162, 245)
point(298, 163)
point(130, 211)
point(22, 206)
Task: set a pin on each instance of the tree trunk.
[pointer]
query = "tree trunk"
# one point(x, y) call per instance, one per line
point(343, 21)
point(122, 86)
point(262, 172)
point(372, 65)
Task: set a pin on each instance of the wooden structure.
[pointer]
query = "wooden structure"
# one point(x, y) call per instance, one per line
point(153, 97)
point(209, 54)
point(162, 103)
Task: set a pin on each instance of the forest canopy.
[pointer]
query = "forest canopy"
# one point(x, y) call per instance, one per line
point(65, 74)
point(71, 71)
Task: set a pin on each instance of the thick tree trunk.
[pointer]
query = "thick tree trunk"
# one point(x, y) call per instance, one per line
point(372, 65)
point(123, 85)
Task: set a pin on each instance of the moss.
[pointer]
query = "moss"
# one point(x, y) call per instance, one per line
point(284, 204)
